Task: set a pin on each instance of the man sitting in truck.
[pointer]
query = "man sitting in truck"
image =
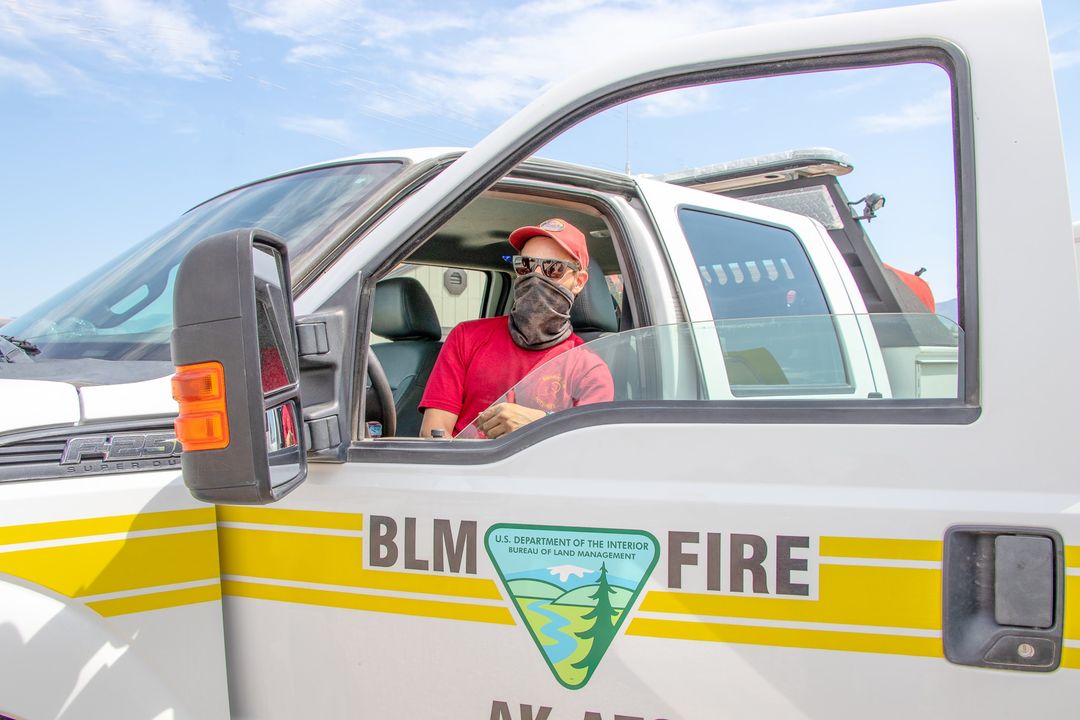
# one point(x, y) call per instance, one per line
point(482, 360)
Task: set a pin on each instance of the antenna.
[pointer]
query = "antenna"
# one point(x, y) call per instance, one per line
point(627, 138)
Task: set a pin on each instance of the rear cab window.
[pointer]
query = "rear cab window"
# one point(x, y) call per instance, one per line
point(756, 278)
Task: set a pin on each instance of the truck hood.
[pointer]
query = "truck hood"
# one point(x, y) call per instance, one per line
point(26, 404)
point(128, 400)
point(33, 403)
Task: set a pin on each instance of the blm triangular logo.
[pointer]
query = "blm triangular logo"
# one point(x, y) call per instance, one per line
point(572, 588)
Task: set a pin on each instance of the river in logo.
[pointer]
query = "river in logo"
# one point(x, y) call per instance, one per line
point(572, 588)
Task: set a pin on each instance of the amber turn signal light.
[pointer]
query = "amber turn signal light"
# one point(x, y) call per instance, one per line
point(203, 423)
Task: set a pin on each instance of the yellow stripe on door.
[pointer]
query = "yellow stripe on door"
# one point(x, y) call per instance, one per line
point(881, 548)
point(117, 565)
point(290, 518)
point(64, 529)
point(1072, 607)
point(156, 601)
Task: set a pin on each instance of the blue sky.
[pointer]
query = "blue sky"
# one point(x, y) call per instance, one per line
point(120, 114)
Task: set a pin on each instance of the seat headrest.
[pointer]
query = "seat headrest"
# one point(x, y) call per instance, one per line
point(404, 311)
point(593, 310)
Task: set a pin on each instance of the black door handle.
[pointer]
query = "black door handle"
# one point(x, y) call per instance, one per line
point(1003, 592)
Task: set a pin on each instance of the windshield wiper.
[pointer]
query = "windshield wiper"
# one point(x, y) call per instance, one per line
point(12, 347)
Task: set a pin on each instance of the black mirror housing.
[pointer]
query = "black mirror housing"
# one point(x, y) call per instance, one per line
point(237, 382)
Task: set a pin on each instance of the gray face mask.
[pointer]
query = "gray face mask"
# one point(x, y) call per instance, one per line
point(540, 317)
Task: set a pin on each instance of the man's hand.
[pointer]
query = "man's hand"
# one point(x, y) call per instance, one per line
point(502, 418)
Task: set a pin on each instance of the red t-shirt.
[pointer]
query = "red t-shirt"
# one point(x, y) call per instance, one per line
point(479, 362)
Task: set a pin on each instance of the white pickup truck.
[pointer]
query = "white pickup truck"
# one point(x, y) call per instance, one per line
point(810, 496)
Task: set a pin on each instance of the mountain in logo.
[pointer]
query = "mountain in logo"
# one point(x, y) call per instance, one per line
point(572, 588)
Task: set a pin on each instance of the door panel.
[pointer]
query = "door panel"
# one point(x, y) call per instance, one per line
point(398, 642)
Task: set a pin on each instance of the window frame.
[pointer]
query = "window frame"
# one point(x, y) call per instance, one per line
point(964, 410)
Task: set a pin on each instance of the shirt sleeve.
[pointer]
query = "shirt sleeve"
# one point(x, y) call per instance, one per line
point(445, 389)
point(595, 384)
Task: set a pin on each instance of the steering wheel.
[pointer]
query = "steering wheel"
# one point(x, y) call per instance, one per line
point(386, 411)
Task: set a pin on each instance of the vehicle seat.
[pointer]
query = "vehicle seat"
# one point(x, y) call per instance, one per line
point(593, 313)
point(405, 315)
point(593, 316)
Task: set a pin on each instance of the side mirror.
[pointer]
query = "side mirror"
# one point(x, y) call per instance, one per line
point(237, 372)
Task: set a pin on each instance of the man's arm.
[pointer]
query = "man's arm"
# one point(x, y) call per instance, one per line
point(591, 382)
point(435, 419)
point(505, 417)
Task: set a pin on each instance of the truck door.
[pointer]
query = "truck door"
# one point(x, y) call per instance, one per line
point(666, 558)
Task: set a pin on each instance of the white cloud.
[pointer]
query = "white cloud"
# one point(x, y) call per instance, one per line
point(314, 51)
point(1063, 32)
point(294, 19)
point(469, 60)
point(136, 34)
point(857, 87)
point(543, 10)
point(1064, 36)
point(265, 83)
point(674, 104)
point(36, 79)
point(335, 130)
point(934, 110)
point(592, 35)
point(389, 28)
point(346, 21)
point(1065, 59)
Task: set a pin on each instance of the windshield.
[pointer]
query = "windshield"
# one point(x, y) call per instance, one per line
point(907, 356)
point(123, 311)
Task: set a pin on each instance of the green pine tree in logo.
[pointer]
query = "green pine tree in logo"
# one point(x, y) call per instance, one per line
point(602, 631)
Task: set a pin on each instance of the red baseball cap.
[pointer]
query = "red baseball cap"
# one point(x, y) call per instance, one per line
point(562, 232)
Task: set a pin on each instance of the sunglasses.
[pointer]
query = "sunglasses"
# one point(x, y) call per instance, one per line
point(552, 268)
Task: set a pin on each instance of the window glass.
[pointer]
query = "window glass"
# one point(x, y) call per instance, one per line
point(800, 352)
point(123, 311)
point(682, 362)
point(804, 352)
point(815, 143)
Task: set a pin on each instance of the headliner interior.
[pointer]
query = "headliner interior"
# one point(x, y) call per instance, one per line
point(476, 236)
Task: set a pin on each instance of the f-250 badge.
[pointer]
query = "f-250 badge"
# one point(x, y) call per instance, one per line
point(127, 448)
point(572, 588)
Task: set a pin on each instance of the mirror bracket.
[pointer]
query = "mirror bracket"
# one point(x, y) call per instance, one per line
point(322, 433)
